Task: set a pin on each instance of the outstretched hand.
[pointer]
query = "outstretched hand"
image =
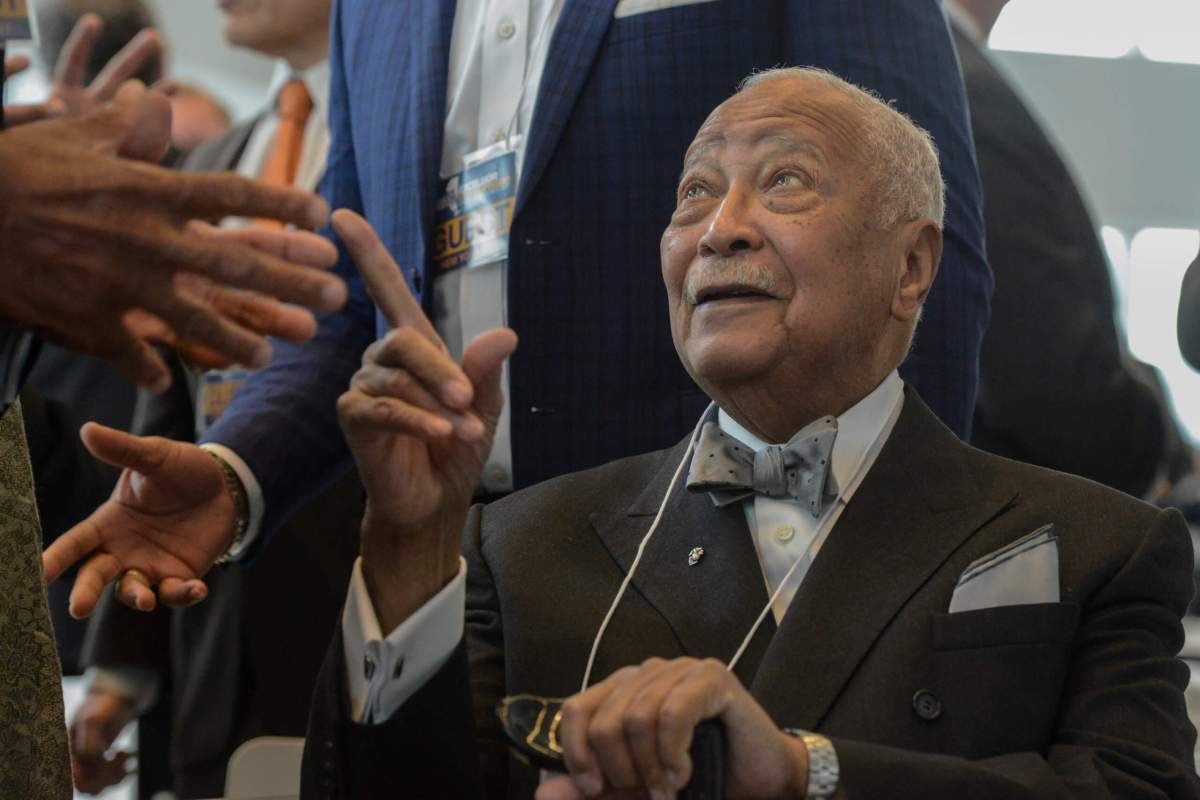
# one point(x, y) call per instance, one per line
point(170, 517)
point(420, 427)
point(96, 243)
point(69, 96)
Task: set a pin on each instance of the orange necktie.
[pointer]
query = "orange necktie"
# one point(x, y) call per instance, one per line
point(293, 106)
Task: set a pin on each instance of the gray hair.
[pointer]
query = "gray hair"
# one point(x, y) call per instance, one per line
point(908, 180)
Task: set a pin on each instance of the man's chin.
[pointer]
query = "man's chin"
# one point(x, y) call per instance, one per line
point(717, 361)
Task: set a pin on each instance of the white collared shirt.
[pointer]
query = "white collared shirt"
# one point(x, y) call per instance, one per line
point(497, 54)
point(785, 531)
point(383, 672)
point(315, 144)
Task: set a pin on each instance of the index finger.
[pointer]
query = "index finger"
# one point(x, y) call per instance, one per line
point(384, 279)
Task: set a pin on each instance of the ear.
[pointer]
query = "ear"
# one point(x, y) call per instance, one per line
point(920, 244)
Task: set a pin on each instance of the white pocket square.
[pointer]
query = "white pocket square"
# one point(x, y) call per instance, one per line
point(627, 8)
point(1020, 573)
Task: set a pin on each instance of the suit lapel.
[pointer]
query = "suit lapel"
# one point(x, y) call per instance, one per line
point(573, 48)
point(711, 605)
point(916, 506)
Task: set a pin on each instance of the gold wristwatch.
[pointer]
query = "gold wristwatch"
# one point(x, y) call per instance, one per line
point(241, 504)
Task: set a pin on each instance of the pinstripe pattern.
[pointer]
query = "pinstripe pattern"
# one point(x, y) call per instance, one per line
point(596, 376)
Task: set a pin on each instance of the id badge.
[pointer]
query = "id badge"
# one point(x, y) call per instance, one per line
point(475, 212)
point(14, 20)
point(218, 387)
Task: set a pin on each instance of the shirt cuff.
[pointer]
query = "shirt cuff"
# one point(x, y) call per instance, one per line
point(254, 496)
point(139, 686)
point(382, 673)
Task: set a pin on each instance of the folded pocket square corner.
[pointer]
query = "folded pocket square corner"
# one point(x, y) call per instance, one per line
point(1020, 573)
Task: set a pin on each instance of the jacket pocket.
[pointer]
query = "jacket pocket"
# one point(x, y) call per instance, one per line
point(1000, 674)
point(1005, 625)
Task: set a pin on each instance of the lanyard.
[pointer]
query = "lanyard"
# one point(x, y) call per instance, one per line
point(587, 672)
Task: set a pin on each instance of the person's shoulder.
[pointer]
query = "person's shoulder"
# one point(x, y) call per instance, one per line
point(1059, 491)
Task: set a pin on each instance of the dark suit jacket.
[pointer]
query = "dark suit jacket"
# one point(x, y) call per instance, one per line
point(596, 377)
point(1056, 385)
point(1082, 698)
point(243, 663)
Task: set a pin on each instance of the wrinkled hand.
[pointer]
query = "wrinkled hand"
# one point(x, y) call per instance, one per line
point(420, 427)
point(68, 96)
point(629, 735)
point(170, 516)
point(252, 310)
point(87, 236)
point(96, 725)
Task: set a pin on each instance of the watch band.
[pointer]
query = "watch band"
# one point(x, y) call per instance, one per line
point(823, 770)
point(241, 503)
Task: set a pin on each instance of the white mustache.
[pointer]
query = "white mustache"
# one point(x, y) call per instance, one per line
point(723, 273)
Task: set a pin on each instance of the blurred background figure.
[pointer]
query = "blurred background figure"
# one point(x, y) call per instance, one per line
point(242, 664)
point(1189, 315)
point(196, 117)
point(1054, 369)
point(1077, 130)
point(123, 19)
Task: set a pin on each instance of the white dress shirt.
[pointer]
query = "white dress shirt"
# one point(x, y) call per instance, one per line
point(383, 672)
point(497, 55)
point(141, 686)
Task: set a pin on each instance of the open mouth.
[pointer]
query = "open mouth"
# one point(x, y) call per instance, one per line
point(718, 293)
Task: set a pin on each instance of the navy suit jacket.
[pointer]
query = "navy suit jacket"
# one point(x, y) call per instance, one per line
point(596, 376)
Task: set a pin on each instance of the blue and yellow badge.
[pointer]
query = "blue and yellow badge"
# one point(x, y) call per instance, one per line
point(14, 20)
point(217, 389)
point(475, 213)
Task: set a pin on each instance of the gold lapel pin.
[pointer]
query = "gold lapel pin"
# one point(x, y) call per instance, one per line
point(695, 555)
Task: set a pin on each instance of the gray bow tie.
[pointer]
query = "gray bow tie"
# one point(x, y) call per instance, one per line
point(731, 471)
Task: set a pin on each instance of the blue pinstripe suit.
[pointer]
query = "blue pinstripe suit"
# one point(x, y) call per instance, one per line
point(596, 376)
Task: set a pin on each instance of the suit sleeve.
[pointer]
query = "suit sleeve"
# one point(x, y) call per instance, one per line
point(1122, 729)
point(444, 741)
point(283, 423)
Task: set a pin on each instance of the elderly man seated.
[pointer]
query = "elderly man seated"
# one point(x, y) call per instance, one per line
point(871, 607)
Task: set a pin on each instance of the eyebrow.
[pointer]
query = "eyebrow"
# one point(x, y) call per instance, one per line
point(787, 142)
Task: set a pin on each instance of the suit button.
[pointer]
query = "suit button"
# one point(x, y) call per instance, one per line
point(927, 705)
